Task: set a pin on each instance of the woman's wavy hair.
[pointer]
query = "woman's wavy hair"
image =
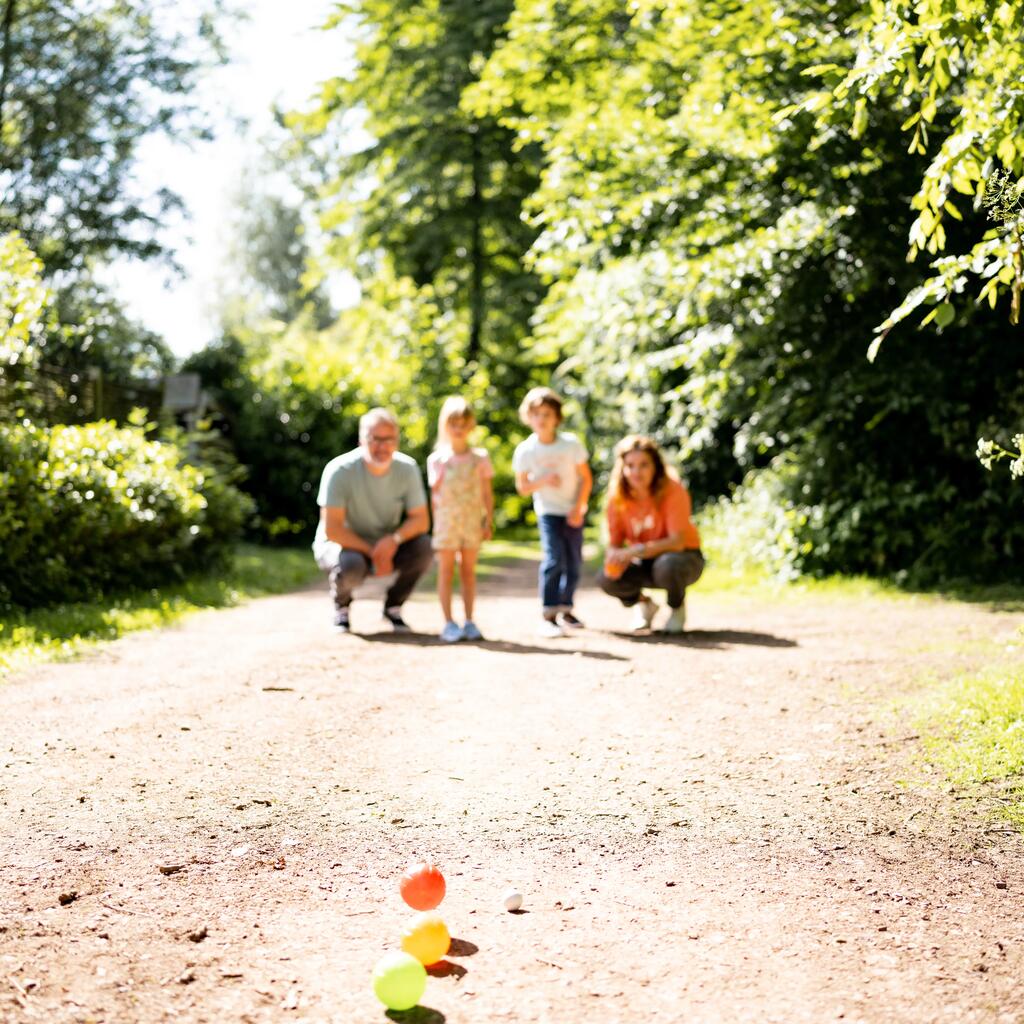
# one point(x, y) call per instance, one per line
point(618, 488)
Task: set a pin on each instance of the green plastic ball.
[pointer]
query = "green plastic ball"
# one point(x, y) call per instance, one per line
point(399, 980)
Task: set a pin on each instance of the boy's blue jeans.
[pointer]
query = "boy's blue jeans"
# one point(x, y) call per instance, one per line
point(562, 553)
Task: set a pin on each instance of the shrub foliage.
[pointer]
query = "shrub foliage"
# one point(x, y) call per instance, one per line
point(88, 508)
point(85, 509)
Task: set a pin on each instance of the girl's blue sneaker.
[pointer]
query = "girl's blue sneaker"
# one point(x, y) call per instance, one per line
point(470, 632)
point(451, 634)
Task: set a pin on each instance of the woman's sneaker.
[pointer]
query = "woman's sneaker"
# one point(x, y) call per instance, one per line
point(676, 621)
point(643, 614)
point(451, 634)
point(470, 632)
point(570, 620)
point(342, 624)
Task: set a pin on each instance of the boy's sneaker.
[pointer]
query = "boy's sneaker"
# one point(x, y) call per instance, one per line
point(676, 621)
point(549, 629)
point(470, 632)
point(643, 614)
point(451, 634)
point(341, 621)
point(570, 620)
point(394, 616)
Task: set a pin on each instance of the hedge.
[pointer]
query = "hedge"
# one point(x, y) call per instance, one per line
point(94, 508)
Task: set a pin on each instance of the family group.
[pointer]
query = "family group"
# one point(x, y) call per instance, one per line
point(374, 519)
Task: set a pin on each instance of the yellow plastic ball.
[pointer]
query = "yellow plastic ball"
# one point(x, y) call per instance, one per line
point(426, 938)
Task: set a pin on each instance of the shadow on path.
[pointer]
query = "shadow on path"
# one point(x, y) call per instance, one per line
point(446, 969)
point(498, 646)
point(710, 639)
point(417, 1015)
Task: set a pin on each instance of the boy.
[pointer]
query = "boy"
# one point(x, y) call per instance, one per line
point(552, 466)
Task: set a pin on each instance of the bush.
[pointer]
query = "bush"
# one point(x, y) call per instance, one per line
point(84, 509)
point(279, 425)
point(755, 529)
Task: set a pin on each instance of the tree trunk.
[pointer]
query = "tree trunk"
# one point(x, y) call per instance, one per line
point(5, 58)
point(476, 253)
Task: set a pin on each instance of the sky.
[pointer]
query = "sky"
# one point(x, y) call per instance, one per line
point(278, 55)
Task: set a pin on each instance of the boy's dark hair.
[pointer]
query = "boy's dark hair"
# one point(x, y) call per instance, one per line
point(540, 396)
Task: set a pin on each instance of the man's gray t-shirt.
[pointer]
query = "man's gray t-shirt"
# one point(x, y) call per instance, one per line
point(374, 505)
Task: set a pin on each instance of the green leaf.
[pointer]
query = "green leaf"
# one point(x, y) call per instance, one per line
point(860, 118)
point(1007, 151)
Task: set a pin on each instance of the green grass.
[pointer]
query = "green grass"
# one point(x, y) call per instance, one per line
point(721, 580)
point(496, 554)
point(1002, 597)
point(62, 631)
point(972, 730)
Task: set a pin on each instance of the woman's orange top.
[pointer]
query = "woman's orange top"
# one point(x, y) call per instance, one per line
point(636, 522)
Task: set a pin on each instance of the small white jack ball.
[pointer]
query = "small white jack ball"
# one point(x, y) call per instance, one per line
point(513, 900)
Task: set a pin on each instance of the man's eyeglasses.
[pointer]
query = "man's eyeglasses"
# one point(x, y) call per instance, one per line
point(379, 439)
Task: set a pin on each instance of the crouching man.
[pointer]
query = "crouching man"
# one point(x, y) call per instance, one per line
point(373, 520)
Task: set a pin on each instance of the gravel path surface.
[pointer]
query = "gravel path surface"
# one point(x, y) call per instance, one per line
point(208, 823)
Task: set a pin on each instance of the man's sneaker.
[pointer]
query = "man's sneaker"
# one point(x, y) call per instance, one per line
point(643, 614)
point(394, 616)
point(451, 634)
point(470, 632)
point(570, 620)
point(549, 629)
point(676, 621)
point(341, 621)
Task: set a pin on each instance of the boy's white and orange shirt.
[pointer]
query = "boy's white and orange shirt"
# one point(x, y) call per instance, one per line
point(563, 456)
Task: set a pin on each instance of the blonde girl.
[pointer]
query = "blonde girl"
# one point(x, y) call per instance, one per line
point(463, 505)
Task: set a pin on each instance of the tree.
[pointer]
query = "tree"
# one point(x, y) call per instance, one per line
point(81, 84)
point(957, 70)
point(269, 257)
point(22, 302)
point(436, 194)
point(289, 396)
point(50, 337)
point(718, 261)
point(91, 329)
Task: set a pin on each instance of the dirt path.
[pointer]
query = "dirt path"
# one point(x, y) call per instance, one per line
point(704, 830)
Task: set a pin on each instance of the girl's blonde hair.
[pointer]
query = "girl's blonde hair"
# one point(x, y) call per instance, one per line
point(454, 407)
point(618, 487)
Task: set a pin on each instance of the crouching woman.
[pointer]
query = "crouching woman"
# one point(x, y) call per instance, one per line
point(652, 540)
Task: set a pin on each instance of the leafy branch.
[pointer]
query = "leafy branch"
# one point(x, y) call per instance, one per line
point(1004, 201)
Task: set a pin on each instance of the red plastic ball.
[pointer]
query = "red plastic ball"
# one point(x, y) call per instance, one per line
point(422, 886)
